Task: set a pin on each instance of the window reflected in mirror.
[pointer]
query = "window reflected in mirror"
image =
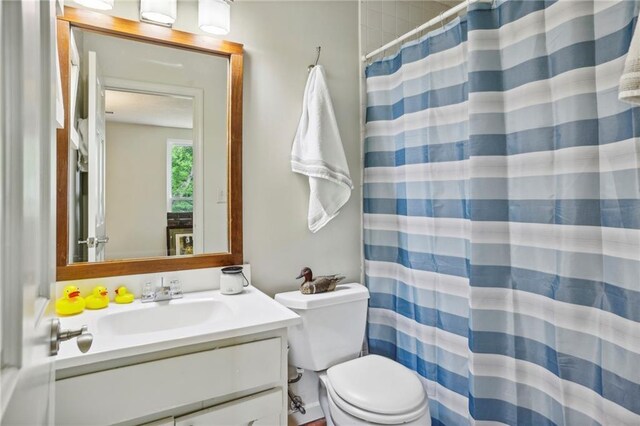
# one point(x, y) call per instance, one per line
point(180, 176)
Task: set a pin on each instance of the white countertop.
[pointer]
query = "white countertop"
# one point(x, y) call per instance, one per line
point(247, 313)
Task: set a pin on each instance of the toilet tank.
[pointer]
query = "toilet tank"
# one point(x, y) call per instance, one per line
point(332, 329)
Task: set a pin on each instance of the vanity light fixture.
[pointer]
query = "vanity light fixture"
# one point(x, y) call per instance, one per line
point(214, 16)
point(161, 12)
point(97, 4)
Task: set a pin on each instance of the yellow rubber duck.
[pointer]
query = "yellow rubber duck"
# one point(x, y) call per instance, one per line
point(123, 295)
point(99, 299)
point(71, 302)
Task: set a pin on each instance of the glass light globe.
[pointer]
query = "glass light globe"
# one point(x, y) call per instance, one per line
point(97, 4)
point(161, 11)
point(214, 16)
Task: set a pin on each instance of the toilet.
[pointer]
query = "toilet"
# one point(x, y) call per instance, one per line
point(355, 390)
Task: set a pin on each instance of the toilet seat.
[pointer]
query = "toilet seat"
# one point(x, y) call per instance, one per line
point(377, 390)
point(371, 417)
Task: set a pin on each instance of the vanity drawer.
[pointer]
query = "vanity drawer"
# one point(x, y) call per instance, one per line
point(260, 409)
point(139, 390)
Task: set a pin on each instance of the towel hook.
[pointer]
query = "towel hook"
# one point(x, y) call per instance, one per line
point(317, 59)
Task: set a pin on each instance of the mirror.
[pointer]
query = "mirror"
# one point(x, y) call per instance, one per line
point(149, 171)
point(152, 158)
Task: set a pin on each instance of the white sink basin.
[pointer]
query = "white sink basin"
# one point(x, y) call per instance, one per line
point(163, 316)
point(122, 331)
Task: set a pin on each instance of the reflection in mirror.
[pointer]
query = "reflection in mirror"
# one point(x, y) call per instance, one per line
point(149, 171)
point(148, 150)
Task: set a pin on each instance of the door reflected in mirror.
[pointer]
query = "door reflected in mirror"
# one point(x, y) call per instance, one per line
point(147, 152)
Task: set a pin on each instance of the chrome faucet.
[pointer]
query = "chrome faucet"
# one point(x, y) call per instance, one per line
point(163, 292)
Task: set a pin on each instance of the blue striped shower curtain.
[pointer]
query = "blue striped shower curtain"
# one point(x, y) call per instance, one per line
point(502, 215)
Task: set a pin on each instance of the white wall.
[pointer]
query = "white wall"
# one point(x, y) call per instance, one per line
point(280, 40)
point(383, 20)
point(136, 188)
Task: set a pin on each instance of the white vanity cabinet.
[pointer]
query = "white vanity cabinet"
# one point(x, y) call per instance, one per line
point(229, 368)
point(237, 384)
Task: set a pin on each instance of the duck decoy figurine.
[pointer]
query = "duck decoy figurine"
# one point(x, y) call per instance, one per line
point(98, 299)
point(123, 296)
point(71, 302)
point(320, 284)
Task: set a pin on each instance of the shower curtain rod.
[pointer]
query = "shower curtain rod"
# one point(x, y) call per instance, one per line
point(442, 16)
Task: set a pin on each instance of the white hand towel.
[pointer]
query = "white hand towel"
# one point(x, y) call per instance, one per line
point(318, 153)
point(629, 89)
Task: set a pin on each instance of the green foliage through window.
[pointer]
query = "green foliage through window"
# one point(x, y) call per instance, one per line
point(182, 178)
point(180, 206)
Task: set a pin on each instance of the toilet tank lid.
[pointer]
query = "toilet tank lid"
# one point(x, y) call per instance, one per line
point(342, 294)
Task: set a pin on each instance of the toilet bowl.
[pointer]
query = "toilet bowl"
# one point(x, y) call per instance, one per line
point(355, 390)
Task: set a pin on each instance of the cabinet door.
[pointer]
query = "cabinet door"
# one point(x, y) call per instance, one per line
point(260, 409)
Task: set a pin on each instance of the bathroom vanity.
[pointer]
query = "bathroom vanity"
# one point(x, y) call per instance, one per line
point(203, 359)
point(200, 360)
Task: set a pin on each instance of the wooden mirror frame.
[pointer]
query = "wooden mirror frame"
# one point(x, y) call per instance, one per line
point(140, 31)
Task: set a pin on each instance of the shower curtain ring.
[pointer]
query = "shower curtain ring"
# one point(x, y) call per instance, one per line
point(441, 20)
